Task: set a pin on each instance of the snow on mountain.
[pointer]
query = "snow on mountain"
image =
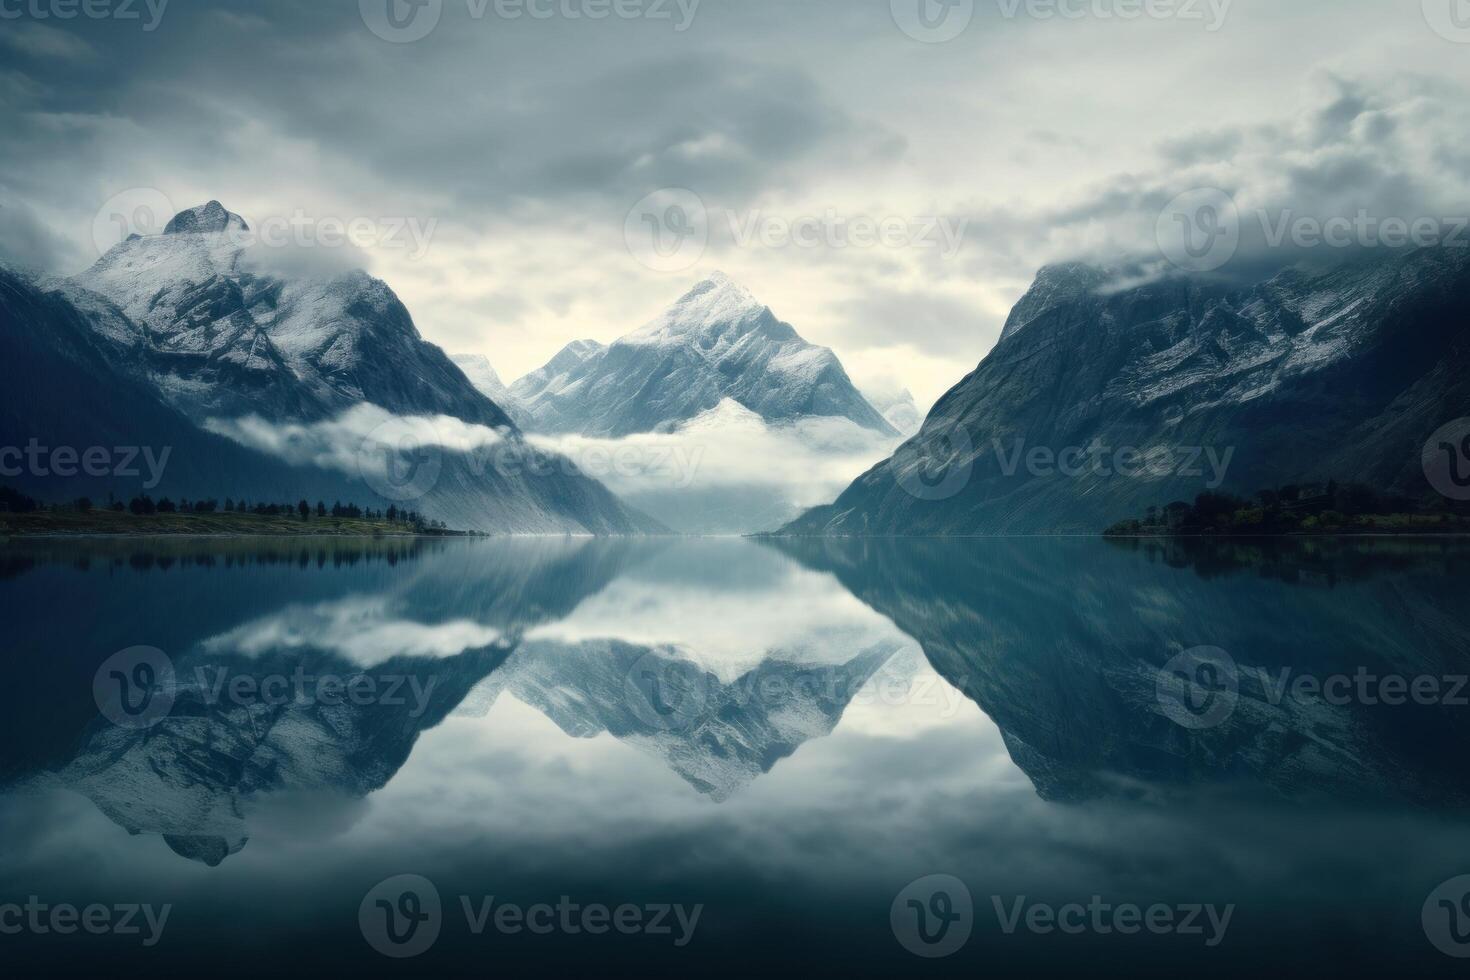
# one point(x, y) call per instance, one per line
point(220, 338)
point(210, 218)
point(754, 694)
point(487, 381)
point(716, 342)
point(199, 315)
point(898, 407)
point(1315, 374)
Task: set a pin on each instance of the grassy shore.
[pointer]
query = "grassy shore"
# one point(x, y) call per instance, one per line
point(73, 522)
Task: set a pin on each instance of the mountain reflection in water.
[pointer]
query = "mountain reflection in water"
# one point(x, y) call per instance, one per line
point(707, 718)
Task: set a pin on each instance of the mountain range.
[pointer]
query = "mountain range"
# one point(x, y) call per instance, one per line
point(1105, 395)
point(1311, 375)
point(716, 342)
point(458, 624)
point(170, 340)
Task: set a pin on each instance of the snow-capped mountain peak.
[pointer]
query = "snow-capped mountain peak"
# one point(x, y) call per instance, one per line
point(715, 342)
point(208, 218)
point(717, 312)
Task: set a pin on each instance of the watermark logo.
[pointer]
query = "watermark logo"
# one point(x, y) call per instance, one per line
point(401, 459)
point(135, 688)
point(938, 21)
point(667, 693)
point(401, 916)
point(836, 230)
point(1199, 688)
point(1447, 460)
point(401, 21)
point(300, 687)
point(1446, 917)
point(938, 463)
point(1199, 231)
point(932, 21)
point(146, 211)
point(142, 211)
point(668, 230)
point(933, 916)
point(406, 21)
point(1450, 19)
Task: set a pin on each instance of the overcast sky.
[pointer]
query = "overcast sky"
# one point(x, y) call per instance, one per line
point(521, 147)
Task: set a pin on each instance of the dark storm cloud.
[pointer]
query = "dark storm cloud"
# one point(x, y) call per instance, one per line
point(26, 242)
point(1358, 147)
point(480, 121)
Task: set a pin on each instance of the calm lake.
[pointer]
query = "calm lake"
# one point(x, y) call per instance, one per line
point(972, 757)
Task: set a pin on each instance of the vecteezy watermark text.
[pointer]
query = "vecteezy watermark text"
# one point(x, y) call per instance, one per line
point(1201, 688)
point(670, 229)
point(39, 460)
point(64, 919)
point(406, 21)
point(137, 688)
point(1204, 920)
point(220, 685)
point(934, 917)
point(1130, 462)
point(148, 12)
point(1201, 230)
point(145, 211)
point(937, 21)
point(403, 916)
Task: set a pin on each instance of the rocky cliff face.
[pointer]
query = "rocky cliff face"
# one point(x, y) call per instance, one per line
point(1312, 375)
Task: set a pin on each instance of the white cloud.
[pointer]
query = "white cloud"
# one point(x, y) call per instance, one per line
point(728, 471)
point(359, 441)
point(363, 629)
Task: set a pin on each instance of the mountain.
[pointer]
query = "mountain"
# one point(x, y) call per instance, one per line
point(194, 326)
point(60, 389)
point(1031, 632)
point(1312, 375)
point(220, 334)
point(202, 776)
point(487, 382)
point(716, 342)
point(452, 625)
point(720, 735)
point(898, 408)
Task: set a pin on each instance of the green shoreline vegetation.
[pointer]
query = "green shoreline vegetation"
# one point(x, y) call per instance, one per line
point(142, 515)
point(1299, 509)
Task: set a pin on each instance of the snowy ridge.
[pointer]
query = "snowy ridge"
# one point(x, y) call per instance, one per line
point(716, 342)
point(1313, 375)
point(199, 316)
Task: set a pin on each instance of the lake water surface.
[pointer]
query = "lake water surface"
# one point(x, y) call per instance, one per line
point(980, 757)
